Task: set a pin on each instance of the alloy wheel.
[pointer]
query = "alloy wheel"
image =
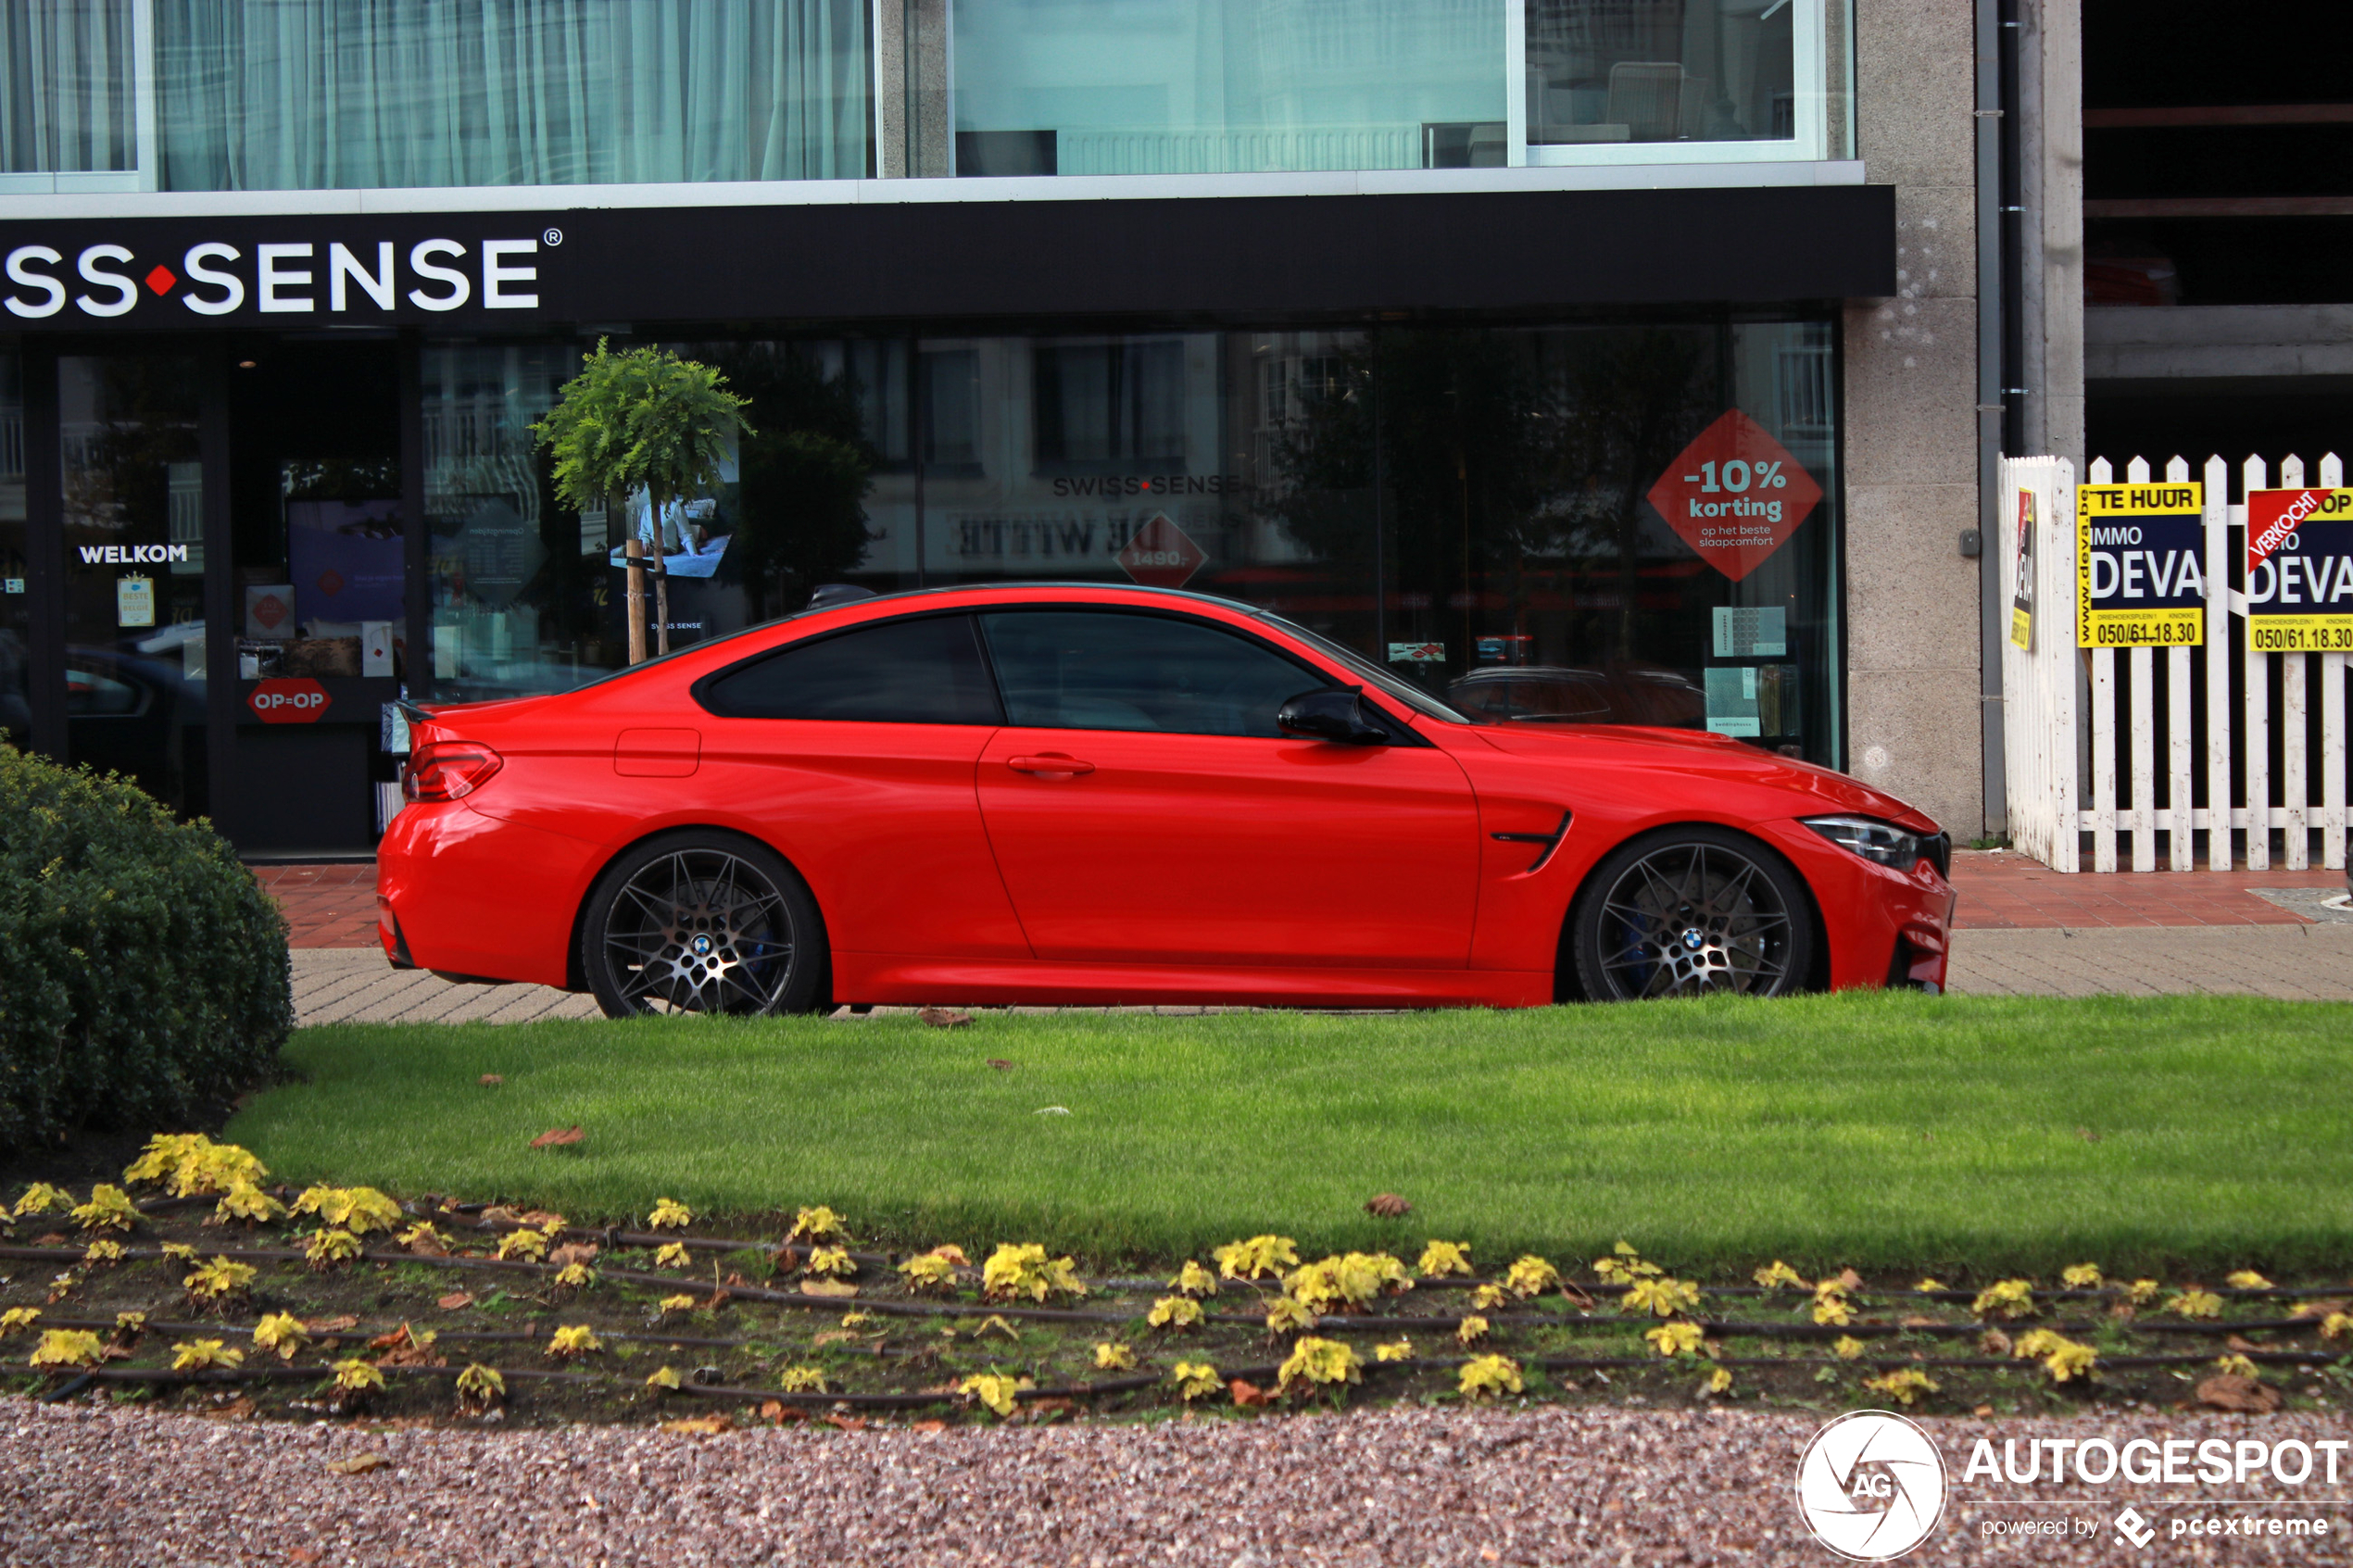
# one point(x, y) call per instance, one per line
point(699, 930)
point(1688, 920)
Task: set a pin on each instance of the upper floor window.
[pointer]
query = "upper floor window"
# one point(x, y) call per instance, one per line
point(66, 76)
point(309, 95)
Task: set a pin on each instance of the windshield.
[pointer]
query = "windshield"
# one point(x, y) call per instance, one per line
point(1403, 691)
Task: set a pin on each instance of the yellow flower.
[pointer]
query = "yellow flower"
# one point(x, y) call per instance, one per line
point(1719, 1380)
point(2080, 1276)
point(220, 1278)
point(1847, 1346)
point(2140, 1291)
point(480, 1384)
point(575, 1276)
point(1193, 1379)
point(1489, 1296)
point(356, 1210)
point(1623, 1266)
point(40, 1198)
point(668, 1215)
point(2247, 1279)
point(833, 1262)
point(2061, 1356)
point(1926, 1286)
point(928, 1272)
point(681, 1303)
point(803, 1380)
point(524, 1243)
point(1904, 1385)
point(995, 1390)
point(672, 1255)
point(1779, 1274)
point(577, 1339)
point(331, 1247)
point(1112, 1356)
point(1025, 1269)
point(2004, 1298)
point(102, 1251)
point(2332, 1326)
point(245, 1201)
point(1319, 1362)
point(1352, 1279)
point(1664, 1295)
point(15, 1318)
point(355, 1376)
point(1258, 1257)
point(1531, 1276)
point(1471, 1329)
point(1487, 1376)
point(1174, 1311)
point(1288, 1314)
point(282, 1331)
point(1830, 1309)
point(109, 1208)
point(664, 1377)
point(1395, 1350)
point(2195, 1304)
point(1194, 1280)
point(1443, 1258)
point(67, 1347)
point(2237, 1366)
point(1678, 1338)
point(819, 1223)
point(195, 1354)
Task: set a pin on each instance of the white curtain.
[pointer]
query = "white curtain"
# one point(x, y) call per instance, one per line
point(309, 95)
point(65, 86)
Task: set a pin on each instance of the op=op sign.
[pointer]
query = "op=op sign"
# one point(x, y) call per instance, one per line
point(1734, 495)
point(1161, 555)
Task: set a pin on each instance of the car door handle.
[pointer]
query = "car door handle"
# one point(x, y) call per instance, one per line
point(1049, 763)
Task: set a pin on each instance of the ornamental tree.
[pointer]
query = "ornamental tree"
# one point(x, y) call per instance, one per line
point(643, 420)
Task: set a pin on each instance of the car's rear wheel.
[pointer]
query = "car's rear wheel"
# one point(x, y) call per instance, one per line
point(1691, 912)
point(702, 922)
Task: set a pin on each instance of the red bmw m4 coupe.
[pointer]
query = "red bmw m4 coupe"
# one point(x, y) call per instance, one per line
point(1078, 794)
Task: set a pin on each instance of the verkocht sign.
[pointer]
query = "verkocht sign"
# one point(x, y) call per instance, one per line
point(2299, 570)
point(2138, 583)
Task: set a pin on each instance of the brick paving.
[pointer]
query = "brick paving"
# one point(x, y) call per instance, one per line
point(2024, 930)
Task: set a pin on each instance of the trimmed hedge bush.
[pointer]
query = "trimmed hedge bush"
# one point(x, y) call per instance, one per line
point(143, 970)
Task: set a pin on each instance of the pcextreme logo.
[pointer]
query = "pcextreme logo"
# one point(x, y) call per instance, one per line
point(291, 277)
point(1870, 1486)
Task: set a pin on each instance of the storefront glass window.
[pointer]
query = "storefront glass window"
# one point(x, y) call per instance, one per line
point(16, 630)
point(1606, 71)
point(309, 95)
point(134, 571)
point(66, 99)
point(1571, 523)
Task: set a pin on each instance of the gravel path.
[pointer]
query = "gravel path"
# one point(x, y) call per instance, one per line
point(81, 1486)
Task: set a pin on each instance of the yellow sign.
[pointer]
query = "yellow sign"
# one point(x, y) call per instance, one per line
point(2140, 579)
point(2022, 602)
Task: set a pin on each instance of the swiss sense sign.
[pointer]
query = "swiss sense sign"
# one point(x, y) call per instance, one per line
point(289, 272)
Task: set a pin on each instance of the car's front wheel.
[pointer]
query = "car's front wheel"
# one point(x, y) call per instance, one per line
point(702, 922)
point(1691, 912)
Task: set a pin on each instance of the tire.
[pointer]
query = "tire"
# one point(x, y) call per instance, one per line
point(1691, 912)
point(702, 923)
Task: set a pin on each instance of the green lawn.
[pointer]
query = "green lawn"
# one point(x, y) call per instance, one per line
point(1882, 1131)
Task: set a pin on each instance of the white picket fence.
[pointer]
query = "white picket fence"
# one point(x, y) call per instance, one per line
point(2145, 770)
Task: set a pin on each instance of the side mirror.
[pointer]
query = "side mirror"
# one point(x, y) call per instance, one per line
point(1334, 713)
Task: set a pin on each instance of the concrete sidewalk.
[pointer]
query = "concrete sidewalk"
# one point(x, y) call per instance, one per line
point(2293, 962)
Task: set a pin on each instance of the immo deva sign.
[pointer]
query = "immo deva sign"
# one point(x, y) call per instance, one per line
point(2138, 583)
point(2299, 570)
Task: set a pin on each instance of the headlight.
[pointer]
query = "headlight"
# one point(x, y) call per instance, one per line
point(1882, 842)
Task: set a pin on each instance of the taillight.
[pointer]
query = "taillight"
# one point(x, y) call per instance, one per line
point(449, 769)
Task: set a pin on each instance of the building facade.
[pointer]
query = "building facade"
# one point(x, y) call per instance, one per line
point(1603, 360)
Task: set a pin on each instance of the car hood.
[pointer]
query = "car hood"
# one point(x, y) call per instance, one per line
point(1813, 790)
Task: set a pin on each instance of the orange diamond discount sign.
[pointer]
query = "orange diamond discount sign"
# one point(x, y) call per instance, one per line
point(1735, 494)
point(1161, 555)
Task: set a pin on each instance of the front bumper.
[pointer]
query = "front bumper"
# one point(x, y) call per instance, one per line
point(1882, 927)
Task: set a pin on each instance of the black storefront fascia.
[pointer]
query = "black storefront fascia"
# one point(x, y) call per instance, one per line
point(220, 278)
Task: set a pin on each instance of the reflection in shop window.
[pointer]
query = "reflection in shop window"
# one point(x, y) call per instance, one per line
point(1099, 403)
point(15, 709)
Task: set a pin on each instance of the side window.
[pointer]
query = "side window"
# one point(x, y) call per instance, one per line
point(1081, 669)
point(921, 671)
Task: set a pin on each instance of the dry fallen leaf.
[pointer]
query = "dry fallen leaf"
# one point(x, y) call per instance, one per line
point(2226, 1391)
point(1000, 1064)
point(455, 1300)
point(358, 1464)
point(847, 1423)
point(331, 1325)
point(572, 1252)
point(491, 1080)
point(701, 1425)
point(555, 1136)
point(932, 1426)
point(943, 1018)
point(1993, 1342)
point(827, 1287)
point(1250, 1393)
point(1389, 1206)
point(2088, 1135)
